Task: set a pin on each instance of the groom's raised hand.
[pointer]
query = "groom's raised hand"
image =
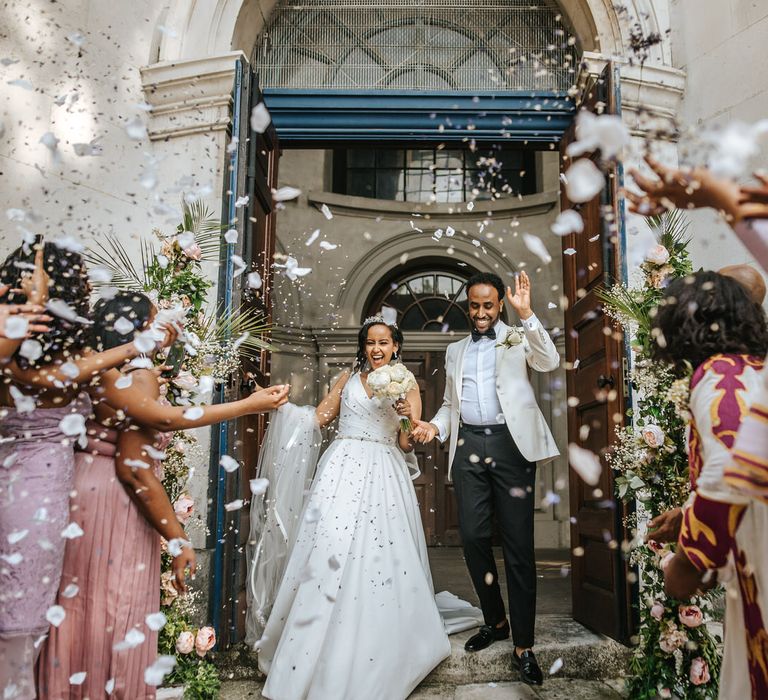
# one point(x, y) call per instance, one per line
point(424, 432)
point(520, 300)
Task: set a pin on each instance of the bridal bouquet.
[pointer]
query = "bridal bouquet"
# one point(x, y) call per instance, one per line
point(393, 382)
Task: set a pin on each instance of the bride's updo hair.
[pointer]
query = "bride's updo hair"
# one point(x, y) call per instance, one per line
point(362, 338)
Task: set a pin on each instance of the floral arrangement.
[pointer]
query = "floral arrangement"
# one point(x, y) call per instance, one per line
point(391, 383)
point(208, 354)
point(676, 656)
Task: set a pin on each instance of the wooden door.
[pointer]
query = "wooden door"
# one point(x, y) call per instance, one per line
point(256, 176)
point(434, 492)
point(595, 380)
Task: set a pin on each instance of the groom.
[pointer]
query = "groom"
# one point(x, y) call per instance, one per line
point(497, 434)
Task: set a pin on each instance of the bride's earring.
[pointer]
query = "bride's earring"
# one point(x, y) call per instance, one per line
point(394, 355)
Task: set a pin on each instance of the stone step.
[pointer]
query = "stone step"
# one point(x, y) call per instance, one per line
point(582, 655)
point(553, 689)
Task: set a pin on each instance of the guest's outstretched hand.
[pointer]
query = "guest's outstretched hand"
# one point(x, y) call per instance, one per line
point(520, 299)
point(185, 560)
point(754, 200)
point(423, 432)
point(682, 188)
point(269, 399)
point(665, 527)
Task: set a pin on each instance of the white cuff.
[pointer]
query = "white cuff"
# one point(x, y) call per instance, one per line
point(531, 323)
point(440, 430)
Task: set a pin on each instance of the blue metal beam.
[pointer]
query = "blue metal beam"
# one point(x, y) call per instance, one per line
point(539, 117)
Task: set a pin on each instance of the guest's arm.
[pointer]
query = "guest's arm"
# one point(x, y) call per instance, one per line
point(147, 492)
point(139, 401)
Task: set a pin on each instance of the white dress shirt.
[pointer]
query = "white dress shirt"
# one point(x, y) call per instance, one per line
point(479, 403)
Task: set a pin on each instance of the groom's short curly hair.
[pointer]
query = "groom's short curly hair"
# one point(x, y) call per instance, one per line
point(490, 278)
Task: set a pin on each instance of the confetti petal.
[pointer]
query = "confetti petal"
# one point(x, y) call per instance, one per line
point(71, 590)
point(583, 181)
point(326, 245)
point(326, 212)
point(229, 464)
point(259, 486)
point(72, 424)
point(537, 247)
point(77, 678)
point(156, 621)
point(285, 194)
point(234, 505)
point(231, 236)
point(585, 463)
point(72, 531)
point(55, 615)
point(312, 237)
point(193, 413)
point(254, 280)
point(16, 327)
point(260, 118)
point(123, 326)
point(556, 666)
point(568, 221)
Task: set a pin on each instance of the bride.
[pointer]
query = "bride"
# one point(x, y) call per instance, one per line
point(355, 614)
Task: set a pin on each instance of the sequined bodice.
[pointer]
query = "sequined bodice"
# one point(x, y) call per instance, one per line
point(364, 418)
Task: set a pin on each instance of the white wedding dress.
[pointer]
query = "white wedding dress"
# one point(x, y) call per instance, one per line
point(355, 615)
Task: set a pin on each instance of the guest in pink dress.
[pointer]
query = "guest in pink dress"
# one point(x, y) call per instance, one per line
point(111, 578)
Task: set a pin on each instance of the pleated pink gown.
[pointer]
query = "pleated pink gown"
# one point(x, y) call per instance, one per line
point(110, 583)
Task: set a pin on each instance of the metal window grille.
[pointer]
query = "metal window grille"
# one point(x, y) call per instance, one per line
point(471, 45)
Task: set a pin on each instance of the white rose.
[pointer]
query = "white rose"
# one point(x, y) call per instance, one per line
point(398, 373)
point(653, 435)
point(379, 379)
point(658, 255)
point(395, 389)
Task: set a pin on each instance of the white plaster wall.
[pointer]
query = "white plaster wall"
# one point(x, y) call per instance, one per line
point(721, 44)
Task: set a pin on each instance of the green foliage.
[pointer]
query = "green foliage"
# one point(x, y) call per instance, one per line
point(651, 467)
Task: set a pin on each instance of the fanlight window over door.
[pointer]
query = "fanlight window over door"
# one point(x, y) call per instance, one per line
point(438, 45)
point(426, 301)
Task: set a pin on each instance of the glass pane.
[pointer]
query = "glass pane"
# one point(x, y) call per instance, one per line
point(400, 298)
point(418, 187)
point(389, 158)
point(412, 320)
point(389, 184)
point(449, 187)
point(360, 158)
point(417, 285)
point(435, 308)
point(445, 286)
point(456, 319)
point(449, 159)
point(420, 158)
point(361, 183)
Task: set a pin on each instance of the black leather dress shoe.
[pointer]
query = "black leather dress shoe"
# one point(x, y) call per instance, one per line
point(528, 666)
point(487, 636)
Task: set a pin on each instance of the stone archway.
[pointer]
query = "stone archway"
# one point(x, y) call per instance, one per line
point(220, 26)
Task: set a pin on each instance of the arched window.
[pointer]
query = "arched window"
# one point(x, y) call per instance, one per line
point(437, 45)
point(426, 300)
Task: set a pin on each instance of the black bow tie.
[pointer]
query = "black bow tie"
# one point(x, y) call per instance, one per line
point(476, 334)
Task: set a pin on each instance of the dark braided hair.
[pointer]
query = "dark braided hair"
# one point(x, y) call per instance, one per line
point(135, 307)
point(707, 314)
point(68, 282)
point(362, 338)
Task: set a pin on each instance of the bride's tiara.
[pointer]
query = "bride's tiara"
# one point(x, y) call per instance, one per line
point(378, 319)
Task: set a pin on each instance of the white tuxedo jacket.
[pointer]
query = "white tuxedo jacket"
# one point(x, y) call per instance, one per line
point(518, 402)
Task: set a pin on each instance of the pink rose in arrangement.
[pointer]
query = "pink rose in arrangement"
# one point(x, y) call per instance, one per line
point(657, 610)
point(193, 252)
point(665, 693)
point(185, 381)
point(655, 546)
point(185, 643)
point(167, 590)
point(653, 435)
point(699, 674)
point(205, 640)
point(184, 507)
point(690, 615)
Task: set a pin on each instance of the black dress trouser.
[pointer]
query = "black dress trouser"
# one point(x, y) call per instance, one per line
point(490, 475)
